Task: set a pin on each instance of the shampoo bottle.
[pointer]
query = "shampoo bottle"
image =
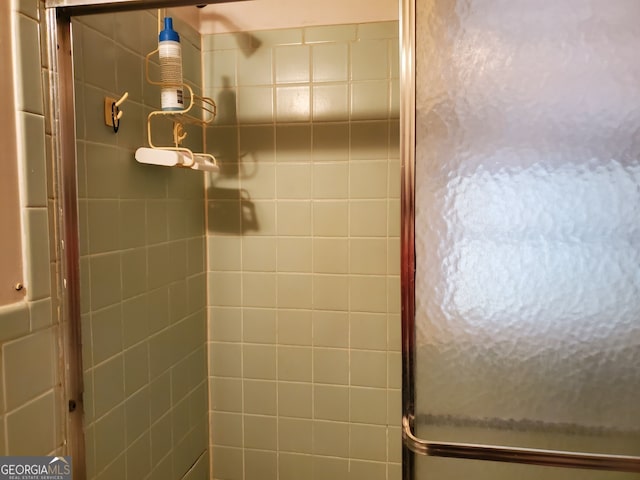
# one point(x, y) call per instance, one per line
point(170, 54)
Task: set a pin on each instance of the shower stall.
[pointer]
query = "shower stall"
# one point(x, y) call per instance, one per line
point(419, 258)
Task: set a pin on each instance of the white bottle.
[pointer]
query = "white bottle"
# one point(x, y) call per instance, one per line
point(170, 53)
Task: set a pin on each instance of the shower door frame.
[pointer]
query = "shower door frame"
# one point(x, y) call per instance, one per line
point(411, 443)
point(62, 114)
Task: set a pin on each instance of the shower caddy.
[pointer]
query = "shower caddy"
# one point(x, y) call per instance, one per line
point(198, 111)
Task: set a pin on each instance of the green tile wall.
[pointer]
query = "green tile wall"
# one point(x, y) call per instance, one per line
point(31, 419)
point(142, 265)
point(303, 253)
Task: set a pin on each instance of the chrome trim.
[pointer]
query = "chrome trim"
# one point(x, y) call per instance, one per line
point(62, 112)
point(529, 456)
point(407, 215)
point(84, 7)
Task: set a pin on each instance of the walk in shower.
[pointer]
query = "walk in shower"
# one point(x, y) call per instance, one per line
point(470, 172)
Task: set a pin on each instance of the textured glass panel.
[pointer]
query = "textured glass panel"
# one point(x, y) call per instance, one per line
point(527, 223)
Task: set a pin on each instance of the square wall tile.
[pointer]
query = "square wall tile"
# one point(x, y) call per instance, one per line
point(368, 218)
point(29, 88)
point(261, 183)
point(368, 442)
point(224, 253)
point(106, 333)
point(133, 225)
point(104, 226)
point(369, 59)
point(331, 329)
point(294, 400)
point(294, 254)
point(294, 327)
point(293, 104)
point(331, 218)
point(258, 253)
point(368, 331)
point(330, 62)
point(294, 218)
point(330, 438)
point(294, 435)
point(259, 289)
point(28, 369)
point(368, 256)
point(293, 143)
point(331, 403)
point(98, 69)
point(295, 363)
point(255, 69)
point(225, 289)
point(330, 181)
point(134, 320)
point(260, 465)
point(225, 359)
point(330, 255)
point(369, 369)
point(255, 104)
point(226, 429)
point(370, 100)
point(295, 291)
point(260, 432)
point(259, 142)
point(32, 155)
point(369, 140)
point(292, 64)
point(368, 294)
point(368, 405)
point(259, 362)
point(331, 366)
point(36, 242)
point(108, 385)
point(331, 142)
point(220, 68)
point(259, 218)
point(36, 416)
point(330, 103)
point(368, 180)
point(228, 462)
point(330, 292)
point(225, 324)
point(260, 397)
point(259, 325)
point(109, 437)
point(293, 181)
point(225, 394)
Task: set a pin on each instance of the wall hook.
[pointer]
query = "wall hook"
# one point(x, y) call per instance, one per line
point(112, 112)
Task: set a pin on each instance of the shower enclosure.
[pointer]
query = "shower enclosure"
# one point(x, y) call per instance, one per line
point(521, 252)
point(520, 258)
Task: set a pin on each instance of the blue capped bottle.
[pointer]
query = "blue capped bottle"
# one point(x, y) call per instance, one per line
point(170, 52)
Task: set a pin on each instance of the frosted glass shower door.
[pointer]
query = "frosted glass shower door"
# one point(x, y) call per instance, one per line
point(527, 225)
